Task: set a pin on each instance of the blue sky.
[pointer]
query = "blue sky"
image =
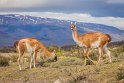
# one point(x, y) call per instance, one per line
point(110, 12)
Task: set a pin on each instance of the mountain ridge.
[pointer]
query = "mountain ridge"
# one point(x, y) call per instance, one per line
point(48, 30)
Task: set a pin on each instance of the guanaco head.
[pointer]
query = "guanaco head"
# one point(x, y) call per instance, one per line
point(54, 55)
point(73, 26)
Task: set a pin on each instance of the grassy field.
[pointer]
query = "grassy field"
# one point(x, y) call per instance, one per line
point(68, 68)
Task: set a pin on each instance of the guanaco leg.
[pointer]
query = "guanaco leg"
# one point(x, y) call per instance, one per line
point(35, 56)
point(108, 53)
point(19, 61)
point(100, 53)
point(87, 55)
point(85, 58)
point(31, 59)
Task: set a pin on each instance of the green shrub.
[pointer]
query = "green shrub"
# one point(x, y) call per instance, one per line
point(64, 61)
point(14, 57)
point(78, 78)
point(116, 51)
point(120, 73)
point(59, 53)
point(57, 49)
point(4, 61)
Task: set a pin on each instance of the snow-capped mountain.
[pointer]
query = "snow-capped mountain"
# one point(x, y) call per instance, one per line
point(49, 31)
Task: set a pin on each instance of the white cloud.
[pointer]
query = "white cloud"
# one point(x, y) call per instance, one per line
point(112, 21)
point(32, 3)
point(115, 1)
point(21, 3)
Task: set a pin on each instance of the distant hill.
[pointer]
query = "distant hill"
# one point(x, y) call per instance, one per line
point(49, 31)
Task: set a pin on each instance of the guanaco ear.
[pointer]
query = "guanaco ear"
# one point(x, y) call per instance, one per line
point(75, 23)
point(71, 22)
point(55, 56)
point(54, 51)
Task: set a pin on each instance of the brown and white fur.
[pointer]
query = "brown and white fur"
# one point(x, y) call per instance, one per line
point(33, 46)
point(91, 40)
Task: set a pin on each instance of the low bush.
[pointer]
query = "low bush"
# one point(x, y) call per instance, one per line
point(120, 73)
point(14, 57)
point(4, 61)
point(64, 61)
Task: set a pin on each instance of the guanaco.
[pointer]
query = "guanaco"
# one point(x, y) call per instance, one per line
point(32, 46)
point(91, 40)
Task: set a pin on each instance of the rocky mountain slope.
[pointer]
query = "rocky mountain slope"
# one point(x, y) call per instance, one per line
point(48, 30)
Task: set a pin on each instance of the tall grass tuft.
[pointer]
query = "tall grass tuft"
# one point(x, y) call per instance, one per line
point(120, 73)
point(4, 61)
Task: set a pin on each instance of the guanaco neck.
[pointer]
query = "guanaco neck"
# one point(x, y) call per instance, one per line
point(44, 50)
point(75, 35)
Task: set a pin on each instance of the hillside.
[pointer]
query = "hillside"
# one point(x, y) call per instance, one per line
point(49, 31)
point(68, 69)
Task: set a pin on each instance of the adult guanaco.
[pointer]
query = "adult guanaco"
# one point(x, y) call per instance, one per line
point(33, 46)
point(91, 40)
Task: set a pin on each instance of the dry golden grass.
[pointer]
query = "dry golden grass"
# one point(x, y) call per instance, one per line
point(68, 69)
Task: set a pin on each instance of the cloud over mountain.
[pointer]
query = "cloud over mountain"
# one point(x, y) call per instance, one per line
point(97, 8)
point(80, 17)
